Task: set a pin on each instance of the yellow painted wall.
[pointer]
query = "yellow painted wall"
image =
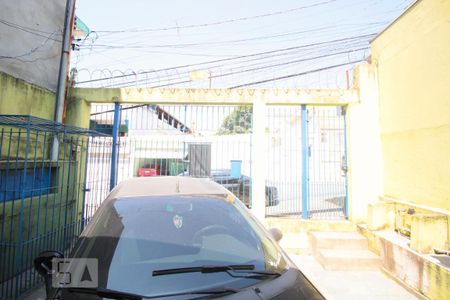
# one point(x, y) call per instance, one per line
point(22, 98)
point(413, 60)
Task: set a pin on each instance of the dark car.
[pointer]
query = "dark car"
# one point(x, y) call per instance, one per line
point(178, 238)
point(241, 186)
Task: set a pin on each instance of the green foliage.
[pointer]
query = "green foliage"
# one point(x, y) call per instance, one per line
point(238, 122)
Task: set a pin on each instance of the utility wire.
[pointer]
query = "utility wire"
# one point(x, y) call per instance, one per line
point(296, 74)
point(30, 30)
point(229, 55)
point(219, 22)
point(290, 62)
point(137, 47)
point(269, 80)
point(234, 58)
point(331, 9)
point(146, 80)
point(35, 49)
point(213, 43)
point(258, 67)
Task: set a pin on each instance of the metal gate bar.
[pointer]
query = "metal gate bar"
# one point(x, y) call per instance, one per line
point(41, 199)
point(327, 180)
point(180, 140)
point(309, 140)
point(284, 165)
point(306, 151)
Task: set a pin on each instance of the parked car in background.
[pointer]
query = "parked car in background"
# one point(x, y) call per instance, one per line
point(241, 187)
point(179, 238)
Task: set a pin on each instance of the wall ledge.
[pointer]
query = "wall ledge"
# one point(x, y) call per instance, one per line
point(415, 205)
point(423, 274)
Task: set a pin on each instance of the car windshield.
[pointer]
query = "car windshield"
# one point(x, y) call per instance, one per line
point(132, 237)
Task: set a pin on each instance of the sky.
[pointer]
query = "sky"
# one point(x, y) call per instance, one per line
point(144, 38)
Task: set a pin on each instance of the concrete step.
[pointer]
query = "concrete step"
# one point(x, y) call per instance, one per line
point(337, 240)
point(296, 225)
point(295, 243)
point(348, 260)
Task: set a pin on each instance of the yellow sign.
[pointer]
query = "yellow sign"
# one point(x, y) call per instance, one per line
point(199, 75)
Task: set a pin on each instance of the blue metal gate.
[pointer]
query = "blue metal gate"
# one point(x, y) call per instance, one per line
point(212, 141)
point(305, 146)
point(306, 161)
point(327, 160)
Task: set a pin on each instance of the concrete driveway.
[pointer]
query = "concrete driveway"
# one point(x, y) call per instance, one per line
point(337, 285)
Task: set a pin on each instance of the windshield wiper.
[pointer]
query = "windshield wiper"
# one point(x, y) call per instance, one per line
point(114, 294)
point(214, 292)
point(106, 293)
point(203, 269)
point(232, 270)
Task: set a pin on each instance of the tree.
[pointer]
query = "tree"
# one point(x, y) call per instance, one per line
point(238, 122)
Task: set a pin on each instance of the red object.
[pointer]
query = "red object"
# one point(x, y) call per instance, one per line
point(147, 172)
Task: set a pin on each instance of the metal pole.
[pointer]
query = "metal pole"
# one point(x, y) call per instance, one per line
point(115, 146)
point(85, 189)
point(210, 79)
point(62, 76)
point(305, 163)
point(347, 78)
point(20, 234)
point(259, 159)
point(344, 112)
point(185, 171)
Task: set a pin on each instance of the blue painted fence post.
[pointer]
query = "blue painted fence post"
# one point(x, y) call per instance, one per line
point(19, 252)
point(115, 146)
point(85, 188)
point(305, 163)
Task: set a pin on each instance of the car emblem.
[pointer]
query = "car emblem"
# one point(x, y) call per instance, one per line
point(178, 221)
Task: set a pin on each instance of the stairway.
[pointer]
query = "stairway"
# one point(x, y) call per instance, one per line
point(342, 251)
point(295, 239)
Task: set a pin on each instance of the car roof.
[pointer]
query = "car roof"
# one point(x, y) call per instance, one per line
point(167, 186)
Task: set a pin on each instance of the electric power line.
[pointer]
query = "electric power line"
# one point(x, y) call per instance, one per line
point(367, 26)
point(296, 74)
point(30, 52)
point(146, 80)
point(272, 79)
point(219, 22)
point(30, 30)
point(211, 43)
point(233, 58)
point(290, 62)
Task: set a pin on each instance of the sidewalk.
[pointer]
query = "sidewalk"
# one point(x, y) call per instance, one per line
point(365, 285)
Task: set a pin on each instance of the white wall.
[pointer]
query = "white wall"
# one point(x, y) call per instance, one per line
point(365, 162)
point(30, 46)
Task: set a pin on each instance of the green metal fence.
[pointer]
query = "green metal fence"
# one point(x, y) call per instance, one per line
point(42, 198)
point(45, 201)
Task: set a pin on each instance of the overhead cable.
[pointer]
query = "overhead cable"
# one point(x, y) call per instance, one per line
point(233, 58)
point(220, 22)
point(296, 74)
point(30, 30)
point(290, 62)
